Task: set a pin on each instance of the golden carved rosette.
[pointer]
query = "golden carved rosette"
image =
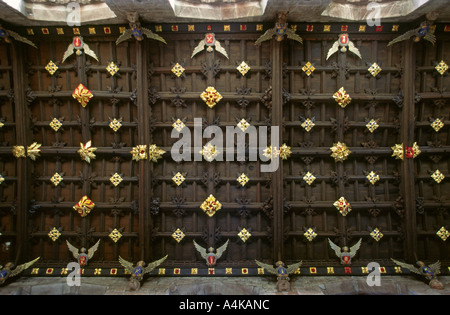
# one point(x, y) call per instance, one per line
point(210, 96)
point(155, 153)
point(340, 152)
point(84, 206)
point(86, 151)
point(82, 95)
point(211, 205)
point(139, 152)
point(342, 97)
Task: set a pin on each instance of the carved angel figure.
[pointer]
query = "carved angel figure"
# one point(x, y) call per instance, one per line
point(80, 254)
point(137, 31)
point(344, 43)
point(7, 272)
point(429, 272)
point(424, 31)
point(138, 271)
point(282, 273)
point(7, 34)
point(78, 45)
point(210, 41)
point(280, 29)
point(345, 254)
point(211, 257)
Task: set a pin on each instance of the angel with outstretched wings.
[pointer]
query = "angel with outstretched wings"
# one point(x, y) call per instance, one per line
point(138, 32)
point(345, 254)
point(7, 271)
point(282, 273)
point(80, 254)
point(280, 270)
point(430, 272)
point(424, 31)
point(140, 270)
point(78, 45)
point(280, 30)
point(6, 35)
point(137, 272)
point(211, 257)
point(209, 41)
point(343, 42)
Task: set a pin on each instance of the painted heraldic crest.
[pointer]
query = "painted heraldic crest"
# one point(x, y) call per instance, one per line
point(80, 254)
point(345, 254)
point(211, 257)
point(344, 43)
point(209, 41)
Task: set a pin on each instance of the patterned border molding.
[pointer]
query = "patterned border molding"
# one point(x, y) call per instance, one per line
point(252, 271)
point(220, 28)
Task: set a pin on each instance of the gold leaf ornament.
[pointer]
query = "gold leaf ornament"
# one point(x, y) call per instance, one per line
point(342, 97)
point(343, 206)
point(441, 67)
point(112, 68)
point(397, 151)
point(310, 234)
point(54, 234)
point(340, 152)
point(443, 233)
point(372, 125)
point(210, 96)
point(155, 153)
point(374, 69)
point(139, 152)
point(285, 151)
point(115, 124)
point(376, 234)
point(56, 179)
point(51, 67)
point(19, 151)
point(177, 69)
point(115, 179)
point(211, 205)
point(82, 94)
point(178, 235)
point(308, 124)
point(373, 177)
point(309, 178)
point(308, 68)
point(437, 124)
point(243, 125)
point(178, 125)
point(242, 179)
point(244, 234)
point(33, 151)
point(178, 178)
point(86, 151)
point(209, 152)
point(438, 176)
point(55, 124)
point(271, 152)
point(243, 68)
point(84, 206)
point(115, 235)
